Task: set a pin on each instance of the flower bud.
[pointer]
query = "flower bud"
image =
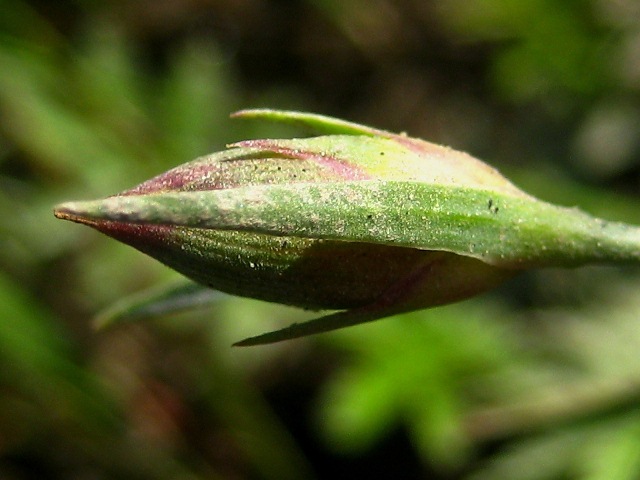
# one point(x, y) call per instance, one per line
point(358, 219)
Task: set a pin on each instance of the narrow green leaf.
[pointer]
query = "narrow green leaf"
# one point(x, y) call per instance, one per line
point(158, 301)
point(324, 324)
point(313, 121)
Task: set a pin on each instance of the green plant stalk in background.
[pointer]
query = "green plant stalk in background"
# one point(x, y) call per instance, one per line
point(359, 220)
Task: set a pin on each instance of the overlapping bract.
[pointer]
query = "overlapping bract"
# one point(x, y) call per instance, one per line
point(357, 219)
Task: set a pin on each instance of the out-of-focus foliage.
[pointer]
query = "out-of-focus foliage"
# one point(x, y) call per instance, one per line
point(396, 379)
point(540, 380)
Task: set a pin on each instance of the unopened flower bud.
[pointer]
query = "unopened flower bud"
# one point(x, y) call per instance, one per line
point(358, 219)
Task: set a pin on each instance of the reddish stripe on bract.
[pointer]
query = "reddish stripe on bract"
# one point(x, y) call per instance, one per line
point(334, 164)
point(142, 237)
point(176, 178)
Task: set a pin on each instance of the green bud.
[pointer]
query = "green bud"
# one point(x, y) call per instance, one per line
point(358, 219)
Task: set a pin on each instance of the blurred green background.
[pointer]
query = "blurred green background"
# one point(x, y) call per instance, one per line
point(538, 380)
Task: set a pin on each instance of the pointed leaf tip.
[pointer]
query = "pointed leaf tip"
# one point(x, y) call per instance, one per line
point(327, 323)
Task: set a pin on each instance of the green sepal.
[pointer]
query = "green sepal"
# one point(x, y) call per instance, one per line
point(497, 228)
